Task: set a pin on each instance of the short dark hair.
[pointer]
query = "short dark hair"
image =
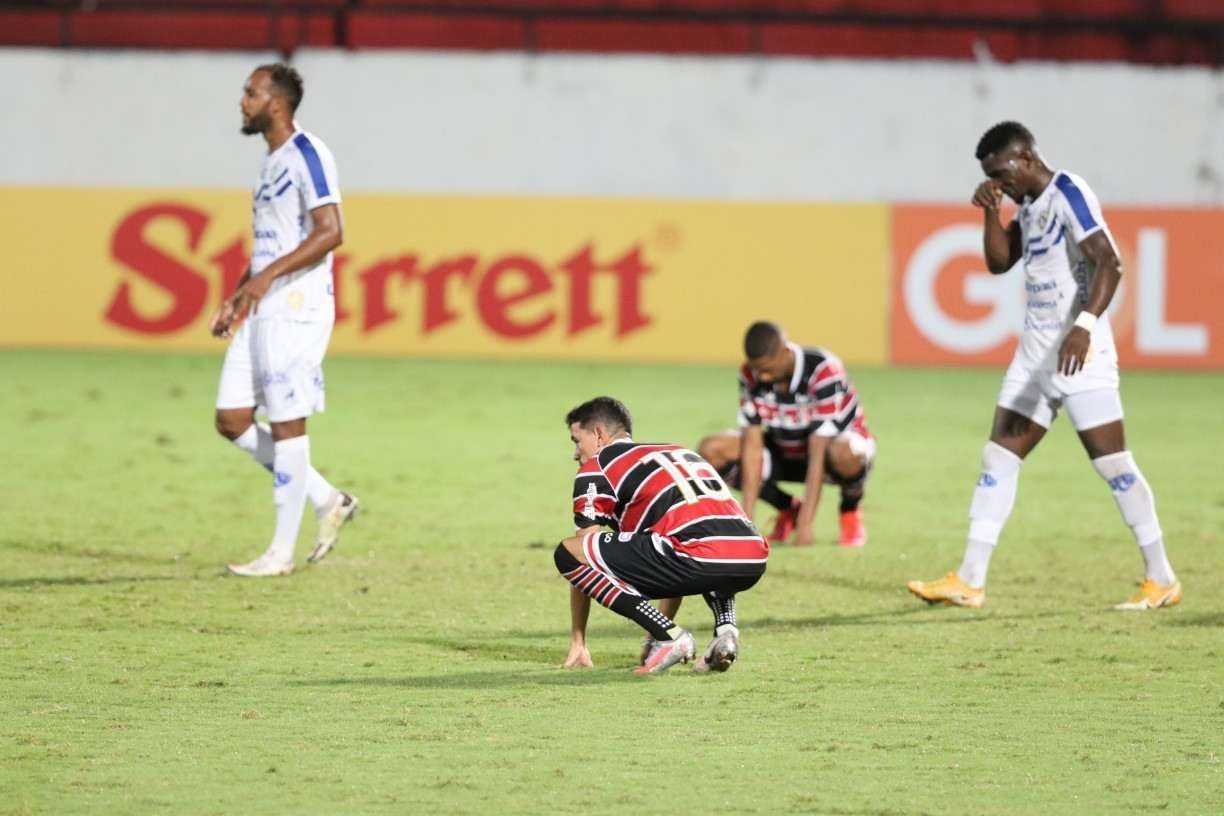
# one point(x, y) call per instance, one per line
point(1000, 136)
point(606, 411)
point(761, 338)
point(286, 81)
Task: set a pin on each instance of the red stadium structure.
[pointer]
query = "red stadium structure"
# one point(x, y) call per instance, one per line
point(1160, 32)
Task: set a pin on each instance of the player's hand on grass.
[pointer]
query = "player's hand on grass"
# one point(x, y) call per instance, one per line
point(579, 657)
point(1074, 351)
point(802, 536)
point(988, 196)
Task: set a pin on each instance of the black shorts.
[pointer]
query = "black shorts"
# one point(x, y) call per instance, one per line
point(657, 572)
point(792, 469)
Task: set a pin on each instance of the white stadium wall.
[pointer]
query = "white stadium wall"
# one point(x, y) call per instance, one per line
point(642, 126)
point(616, 207)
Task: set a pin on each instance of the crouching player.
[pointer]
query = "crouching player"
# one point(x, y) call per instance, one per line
point(675, 530)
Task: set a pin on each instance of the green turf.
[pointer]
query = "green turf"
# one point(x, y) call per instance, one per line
point(413, 671)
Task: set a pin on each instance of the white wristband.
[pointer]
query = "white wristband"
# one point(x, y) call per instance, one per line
point(1086, 320)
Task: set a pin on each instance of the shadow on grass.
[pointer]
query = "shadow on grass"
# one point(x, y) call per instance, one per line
point(78, 580)
point(59, 548)
point(487, 679)
point(1213, 620)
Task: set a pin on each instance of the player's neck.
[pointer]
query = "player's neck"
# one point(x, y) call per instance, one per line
point(1042, 177)
point(277, 135)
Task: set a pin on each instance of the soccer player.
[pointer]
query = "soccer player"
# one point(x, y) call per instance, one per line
point(1066, 357)
point(275, 358)
point(676, 530)
point(800, 421)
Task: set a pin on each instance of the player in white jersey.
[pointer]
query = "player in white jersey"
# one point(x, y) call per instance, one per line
point(1066, 358)
point(275, 358)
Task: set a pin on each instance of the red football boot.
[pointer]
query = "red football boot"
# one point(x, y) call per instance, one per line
point(853, 531)
point(784, 524)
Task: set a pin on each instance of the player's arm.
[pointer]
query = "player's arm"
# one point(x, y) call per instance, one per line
point(813, 481)
point(1100, 252)
point(1000, 244)
point(326, 234)
point(752, 463)
point(579, 656)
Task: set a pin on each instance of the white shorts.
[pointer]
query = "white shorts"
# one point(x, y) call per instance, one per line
point(1091, 395)
point(276, 364)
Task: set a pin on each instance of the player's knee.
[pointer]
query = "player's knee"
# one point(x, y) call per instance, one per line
point(231, 426)
point(564, 559)
point(713, 449)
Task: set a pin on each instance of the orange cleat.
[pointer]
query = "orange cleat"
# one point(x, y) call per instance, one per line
point(853, 531)
point(784, 524)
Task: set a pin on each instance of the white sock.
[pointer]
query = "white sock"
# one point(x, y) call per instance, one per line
point(993, 498)
point(1138, 506)
point(291, 465)
point(257, 441)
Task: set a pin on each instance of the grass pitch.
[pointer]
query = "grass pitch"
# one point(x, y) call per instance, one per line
point(413, 671)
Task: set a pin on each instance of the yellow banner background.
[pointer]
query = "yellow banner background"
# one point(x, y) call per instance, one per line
point(564, 278)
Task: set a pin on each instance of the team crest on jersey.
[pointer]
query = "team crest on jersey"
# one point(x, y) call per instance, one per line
point(588, 508)
point(1042, 220)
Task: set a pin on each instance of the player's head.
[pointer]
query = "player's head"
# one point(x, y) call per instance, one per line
point(272, 93)
point(767, 353)
point(595, 423)
point(1008, 154)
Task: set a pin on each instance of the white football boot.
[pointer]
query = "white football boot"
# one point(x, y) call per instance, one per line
point(265, 566)
point(721, 653)
point(341, 511)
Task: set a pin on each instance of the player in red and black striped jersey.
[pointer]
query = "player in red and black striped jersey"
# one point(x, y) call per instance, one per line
point(800, 421)
point(676, 530)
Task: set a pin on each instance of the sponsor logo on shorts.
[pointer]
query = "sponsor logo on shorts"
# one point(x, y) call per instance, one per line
point(1123, 483)
point(986, 480)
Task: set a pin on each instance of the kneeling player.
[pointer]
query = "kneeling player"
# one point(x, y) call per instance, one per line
point(801, 422)
point(676, 530)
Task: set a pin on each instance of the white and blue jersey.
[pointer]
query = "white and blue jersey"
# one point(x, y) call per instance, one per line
point(297, 177)
point(1057, 275)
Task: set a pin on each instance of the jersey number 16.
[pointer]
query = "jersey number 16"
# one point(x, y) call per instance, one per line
point(692, 478)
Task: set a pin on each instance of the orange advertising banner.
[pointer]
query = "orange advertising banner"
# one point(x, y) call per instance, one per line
point(947, 309)
point(493, 277)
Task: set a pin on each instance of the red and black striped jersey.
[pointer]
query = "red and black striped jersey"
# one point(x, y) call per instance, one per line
point(671, 492)
point(819, 399)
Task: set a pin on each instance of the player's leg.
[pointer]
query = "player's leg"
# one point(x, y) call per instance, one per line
point(848, 462)
point(722, 450)
point(600, 567)
point(287, 357)
point(1097, 416)
point(668, 607)
point(237, 395)
point(1020, 421)
point(1013, 436)
point(723, 649)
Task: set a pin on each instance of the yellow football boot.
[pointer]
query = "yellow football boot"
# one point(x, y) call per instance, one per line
point(1152, 595)
point(950, 590)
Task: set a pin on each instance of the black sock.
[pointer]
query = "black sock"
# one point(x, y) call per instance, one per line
point(852, 494)
point(723, 607)
point(601, 588)
point(642, 612)
point(775, 496)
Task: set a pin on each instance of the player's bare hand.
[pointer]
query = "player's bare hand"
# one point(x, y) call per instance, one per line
point(246, 300)
point(1074, 351)
point(803, 536)
point(988, 196)
point(222, 320)
point(579, 657)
